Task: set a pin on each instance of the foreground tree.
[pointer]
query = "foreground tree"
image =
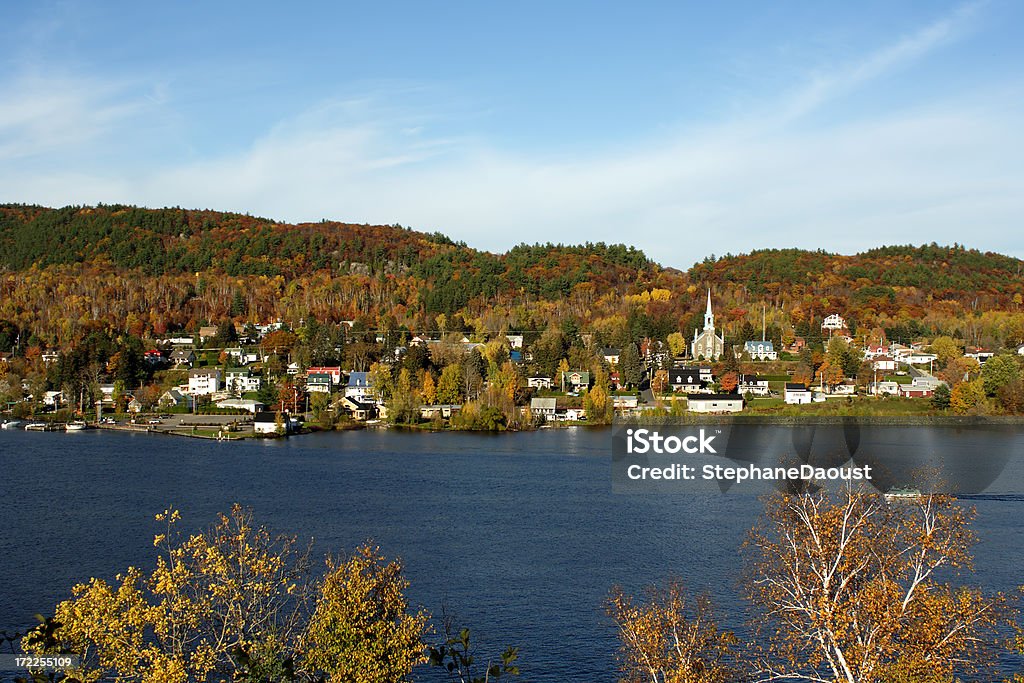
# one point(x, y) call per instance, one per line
point(668, 638)
point(850, 590)
point(237, 602)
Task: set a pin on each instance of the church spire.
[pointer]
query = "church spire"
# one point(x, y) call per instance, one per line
point(709, 317)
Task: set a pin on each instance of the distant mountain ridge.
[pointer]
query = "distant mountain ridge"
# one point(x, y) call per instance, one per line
point(136, 268)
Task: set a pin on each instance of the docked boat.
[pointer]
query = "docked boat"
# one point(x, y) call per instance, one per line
point(76, 426)
point(904, 494)
point(12, 424)
point(38, 427)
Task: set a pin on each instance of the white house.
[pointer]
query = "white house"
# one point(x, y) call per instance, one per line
point(875, 350)
point(611, 356)
point(833, 322)
point(919, 358)
point(797, 394)
point(203, 381)
point(690, 378)
point(752, 384)
point(539, 382)
point(183, 357)
point(359, 387)
point(515, 341)
point(883, 388)
point(884, 363)
point(241, 380)
point(267, 423)
point(714, 403)
point(242, 404)
point(760, 350)
point(542, 407)
point(318, 383)
point(239, 356)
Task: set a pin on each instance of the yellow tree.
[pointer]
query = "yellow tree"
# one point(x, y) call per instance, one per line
point(428, 387)
point(237, 600)
point(668, 638)
point(362, 630)
point(850, 589)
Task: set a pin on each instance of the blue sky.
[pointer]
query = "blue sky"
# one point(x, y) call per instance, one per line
point(685, 129)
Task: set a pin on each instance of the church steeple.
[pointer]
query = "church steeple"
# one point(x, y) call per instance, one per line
point(709, 317)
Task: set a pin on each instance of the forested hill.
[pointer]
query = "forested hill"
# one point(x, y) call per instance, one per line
point(176, 241)
point(65, 270)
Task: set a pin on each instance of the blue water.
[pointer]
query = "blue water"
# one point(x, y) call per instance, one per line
point(518, 534)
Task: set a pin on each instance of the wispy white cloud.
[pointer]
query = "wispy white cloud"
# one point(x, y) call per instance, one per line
point(947, 170)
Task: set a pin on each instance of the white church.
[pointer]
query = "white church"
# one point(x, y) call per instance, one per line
point(707, 345)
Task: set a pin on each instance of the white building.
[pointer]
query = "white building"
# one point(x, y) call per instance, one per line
point(883, 388)
point(241, 380)
point(707, 344)
point(204, 381)
point(834, 322)
point(543, 407)
point(797, 394)
point(539, 382)
point(242, 404)
point(714, 403)
point(760, 350)
point(752, 384)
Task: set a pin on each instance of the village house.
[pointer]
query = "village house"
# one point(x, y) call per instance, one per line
point(883, 363)
point(183, 358)
point(574, 380)
point(173, 398)
point(845, 388)
point(690, 378)
point(204, 381)
point(752, 384)
point(359, 387)
point(714, 403)
point(875, 350)
point(543, 407)
point(334, 371)
point(153, 357)
point(760, 350)
point(439, 410)
point(798, 345)
point(835, 325)
point(266, 422)
point(49, 356)
point(248, 404)
point(611, 356)
point(628, 402)
point(182, 340)
point(797, 394)
point(539, 382)
point(515, 341)
point(979, 354)
point(319, 383)
point(884, 388)
point(911, 391)
point(241, 380)
point(359, 411)
point(240, 357)
point(207, 332)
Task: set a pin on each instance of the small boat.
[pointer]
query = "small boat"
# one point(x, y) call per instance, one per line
point(904, 493)
point(12, 424)
point(76, 426)
point(38, 427)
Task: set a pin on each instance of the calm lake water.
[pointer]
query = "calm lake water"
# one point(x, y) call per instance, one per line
point(519, 535)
